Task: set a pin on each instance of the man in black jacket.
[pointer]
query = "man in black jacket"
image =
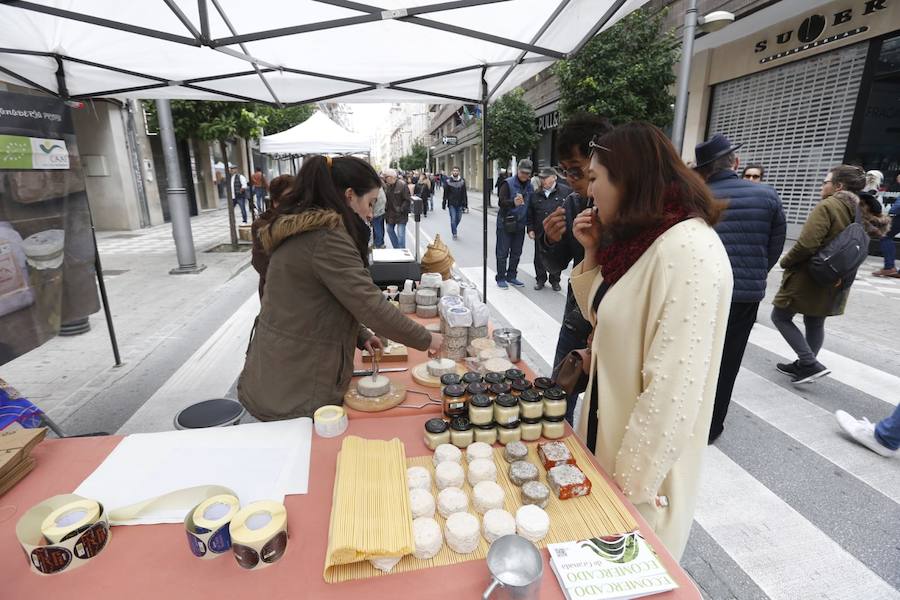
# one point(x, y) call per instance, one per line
point(551, 195)
point(752, 230)
point(557, 245)
point(456, 198)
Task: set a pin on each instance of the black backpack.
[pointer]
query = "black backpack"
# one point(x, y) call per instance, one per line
point(840, 258)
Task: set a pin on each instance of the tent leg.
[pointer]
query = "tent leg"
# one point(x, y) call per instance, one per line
point(485, 184)
point(98, 270)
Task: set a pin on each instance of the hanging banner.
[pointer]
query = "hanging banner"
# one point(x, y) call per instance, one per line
point(46, 246)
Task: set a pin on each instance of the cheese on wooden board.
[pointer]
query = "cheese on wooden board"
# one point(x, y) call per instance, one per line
point(373, 387)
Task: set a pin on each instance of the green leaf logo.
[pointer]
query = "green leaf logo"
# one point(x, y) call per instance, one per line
point(49, 149)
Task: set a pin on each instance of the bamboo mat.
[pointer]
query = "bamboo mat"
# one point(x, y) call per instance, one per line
point(599, 513)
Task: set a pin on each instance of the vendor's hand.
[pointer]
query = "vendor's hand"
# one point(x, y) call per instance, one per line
point(555, 226)
point(586, 229)
point(437, 341)
point(373, 345)
point(531, 234)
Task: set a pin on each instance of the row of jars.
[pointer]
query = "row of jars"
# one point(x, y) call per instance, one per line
point(502, 402)
point(461, 432)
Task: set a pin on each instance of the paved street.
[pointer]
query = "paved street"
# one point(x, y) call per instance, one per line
point(789, 509)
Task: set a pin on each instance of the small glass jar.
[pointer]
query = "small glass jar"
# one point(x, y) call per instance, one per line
point(486, 433)
point(511, 432)
point(531, 429)
point(531, 405)
point(513, 374)
point(481, 409)
point(543, 383)
point(450, 379)
point(477, 388)
point(520, 385)
point(461, 432)
point(499, 389)
point(454, 398)
point(506, 409)
point(555, 402)
point(554, 427)
point(492, 378)
point(471, 377)
point(437, 432)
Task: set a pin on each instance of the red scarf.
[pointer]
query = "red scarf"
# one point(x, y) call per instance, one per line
point(616, 258)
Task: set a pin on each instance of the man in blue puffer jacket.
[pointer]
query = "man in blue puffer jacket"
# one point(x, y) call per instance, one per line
point(753, 232)
point(511, 220)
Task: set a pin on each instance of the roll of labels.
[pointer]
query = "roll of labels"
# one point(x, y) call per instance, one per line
point(64, 532)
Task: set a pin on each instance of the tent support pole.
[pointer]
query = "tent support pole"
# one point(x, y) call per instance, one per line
point(107, 311)
point(485, 184)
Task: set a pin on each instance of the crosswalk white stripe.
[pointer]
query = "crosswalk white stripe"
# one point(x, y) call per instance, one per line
point(816, 429)
point(870, 380)
point(788, 557)
point(538, 328)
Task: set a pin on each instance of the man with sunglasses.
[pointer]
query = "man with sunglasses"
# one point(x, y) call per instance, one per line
point(557, 246)
point(753, 173)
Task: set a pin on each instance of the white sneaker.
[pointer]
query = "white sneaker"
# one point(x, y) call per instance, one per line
point(863, 432)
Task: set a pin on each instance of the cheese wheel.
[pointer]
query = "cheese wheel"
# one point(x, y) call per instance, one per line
point(493, 352)
point(497, 523)
point(446, 452)
point(532, 522)
point(452, 500)
point(418, 478)
point(421, 503)
point(487, 495)
point(478, 450)
point(462, 532)
point(373, 387)
point(449, 474)
point(496, 365)
point(386, 563)
point(427, 538)
point(426, 312)
point(441, 366)
point(482, 469)
point(535, 492)
point(426, 297)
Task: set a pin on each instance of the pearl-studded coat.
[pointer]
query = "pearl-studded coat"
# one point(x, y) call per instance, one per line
point(655, 362)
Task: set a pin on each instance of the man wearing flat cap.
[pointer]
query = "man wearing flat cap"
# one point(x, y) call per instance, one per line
point(550, 196)
point(514, 196)
point(752, 230)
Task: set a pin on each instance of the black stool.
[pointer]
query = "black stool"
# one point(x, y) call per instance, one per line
point(218, 412)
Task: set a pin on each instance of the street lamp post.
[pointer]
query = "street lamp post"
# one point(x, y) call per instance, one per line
point(708, 23)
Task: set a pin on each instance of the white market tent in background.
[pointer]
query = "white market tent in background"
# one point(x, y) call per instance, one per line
point(316, 135)
point(286, 52)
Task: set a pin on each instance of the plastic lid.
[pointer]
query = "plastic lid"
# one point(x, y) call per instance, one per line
point(512, 425)
point(460, 424)
point(507, 400)
point(486, 426)
point(450, 379)
point(477, 388)
point(500, 388)
point(555, 393)
point(471, 377)
point(513, 374)
point(480, 401)
point(530, 396)
point(436, 426)
point(554, 419)
point(493, 378)
point(543, 383)
point(531, 421)
point(455, 391)
point(520, 385)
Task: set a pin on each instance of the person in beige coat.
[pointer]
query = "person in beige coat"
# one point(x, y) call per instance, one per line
point(656, 283)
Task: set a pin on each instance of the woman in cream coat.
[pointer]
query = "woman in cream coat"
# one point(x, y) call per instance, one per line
point(660, 326)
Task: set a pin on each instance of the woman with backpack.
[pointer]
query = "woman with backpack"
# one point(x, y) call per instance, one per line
point(800, 292)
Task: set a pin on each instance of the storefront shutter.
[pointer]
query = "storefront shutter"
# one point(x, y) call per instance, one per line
point(794, 120)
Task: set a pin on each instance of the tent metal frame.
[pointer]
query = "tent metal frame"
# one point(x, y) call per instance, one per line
point(368, 14)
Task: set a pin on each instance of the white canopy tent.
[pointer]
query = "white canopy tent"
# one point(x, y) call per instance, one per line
point(316, 135)
point(286, 52)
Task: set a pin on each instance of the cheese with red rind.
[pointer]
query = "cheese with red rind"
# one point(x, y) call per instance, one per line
point(568, 481)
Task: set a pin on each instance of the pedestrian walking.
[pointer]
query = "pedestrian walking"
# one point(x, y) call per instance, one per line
point(396, 210)
point(544, 201)
point(278, 193)
point(456, 199)
point(378, 218)
point(511, 219)
point(753, 172)
point(752, 229)
point(259, 187)
point(423, 191)
point(799, 292)
point(656, 283)
point(882, 438)
point(558, 246)
point(239, 190)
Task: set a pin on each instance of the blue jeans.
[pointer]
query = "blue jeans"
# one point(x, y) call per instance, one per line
point(260, 194)
point(241, 200)
point(887, 432)
point(509, 250)
point(378, 231)
point(888, 250)
point(397, 233)
point(455, 217)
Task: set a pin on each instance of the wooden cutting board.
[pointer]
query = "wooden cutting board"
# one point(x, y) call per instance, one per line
point(393, 353)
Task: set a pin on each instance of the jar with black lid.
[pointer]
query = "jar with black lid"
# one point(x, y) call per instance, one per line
point(513, 374)
point(471, 377)
point(492, 378)
point(531, 429)
point(555, 402)
point(461, 433)
point(476, 388)
point(437, 432)
point(510, 432)
point(481, 409)
point(531, 404)
point(543, 383)
point(520, 385)
point(450, 379)
point(500, 388)
point(486, 433)
point(506, 409)
point(454, 398)
point(553, 428)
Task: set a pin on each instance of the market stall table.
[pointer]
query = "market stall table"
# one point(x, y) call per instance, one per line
point(154, 561)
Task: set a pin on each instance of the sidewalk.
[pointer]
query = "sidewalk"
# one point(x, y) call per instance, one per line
point(149, 307)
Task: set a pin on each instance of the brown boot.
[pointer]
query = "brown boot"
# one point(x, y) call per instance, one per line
point(885, 273)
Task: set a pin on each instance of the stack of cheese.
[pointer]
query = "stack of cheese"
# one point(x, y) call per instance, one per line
point(15, 454)
point(490, 358)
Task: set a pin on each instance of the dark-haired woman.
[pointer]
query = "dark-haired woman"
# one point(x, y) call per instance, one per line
point(799, 292)
point(259, 259)
point(318, 293)
point(656, 283)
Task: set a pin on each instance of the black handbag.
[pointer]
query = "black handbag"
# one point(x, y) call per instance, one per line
point(511, 224)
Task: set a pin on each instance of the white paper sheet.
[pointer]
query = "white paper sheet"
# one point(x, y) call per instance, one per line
point(257, 460)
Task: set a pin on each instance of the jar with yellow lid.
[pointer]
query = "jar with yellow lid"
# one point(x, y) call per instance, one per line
point(481, 409)
point(461, 433)
point(531, 429)
point(506, 409)
point(486, 433)
point(437, 432)
point(555, 402)
point(553, 427)
point(510, 432)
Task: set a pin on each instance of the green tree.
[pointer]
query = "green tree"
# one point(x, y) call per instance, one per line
point(415, 159)
point(624, 74)
point(279, 119)
point(511, 127)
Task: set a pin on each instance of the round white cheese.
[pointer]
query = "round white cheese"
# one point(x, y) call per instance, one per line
point(373, 387)
point(418, 477)
point(496, 365)
point(478, 450)
point(385, 564)
point(452, 500)
point(449, 474)
point(462, 532)
point(421, 503)
point(497, 523)
point(427, 538)
point(487, 495)
point(445, 453)
point(532, 522)
point(440, 366)
point(482, 469)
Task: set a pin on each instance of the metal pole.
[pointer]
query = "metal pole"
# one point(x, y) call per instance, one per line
point(485, 187)
point(98, 270)
point(176, 195)
point(684, 75)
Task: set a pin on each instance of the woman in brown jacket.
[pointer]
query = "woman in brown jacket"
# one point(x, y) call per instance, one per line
point(799, 292)
point(318, 293)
